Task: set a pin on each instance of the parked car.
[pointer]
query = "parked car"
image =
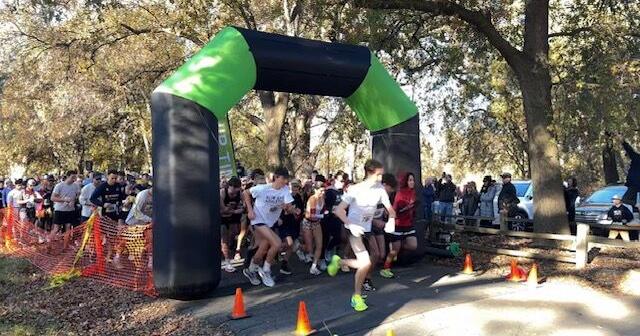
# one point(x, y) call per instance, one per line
point(595, 207)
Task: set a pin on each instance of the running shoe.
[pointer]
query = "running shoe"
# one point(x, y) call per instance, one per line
point(358, 304)
point(314, 270)
point(227, 267)
point(368, 286)
point(332, 269)
point(252, 276)
point(386, 273)
point(301, 255)
point(237, 256)
point(308, 258)
point(328, 254)
point(284, 268)
point(266, 277)
point(322, 265)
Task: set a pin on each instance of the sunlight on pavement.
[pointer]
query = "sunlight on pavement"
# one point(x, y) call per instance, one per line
point(599, 304)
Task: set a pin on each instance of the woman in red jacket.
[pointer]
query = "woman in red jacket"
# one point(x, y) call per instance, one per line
point(404, 236)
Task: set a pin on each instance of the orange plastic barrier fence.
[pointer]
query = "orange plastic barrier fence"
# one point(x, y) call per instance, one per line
point(118, 255)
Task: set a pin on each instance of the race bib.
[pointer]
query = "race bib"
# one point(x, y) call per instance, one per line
point(109, 207)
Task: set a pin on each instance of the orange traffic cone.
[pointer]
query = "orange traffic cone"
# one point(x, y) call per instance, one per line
point(532, 280)
point(238, 306)
point(468, 265)
point(517, 274)
point(303, 327)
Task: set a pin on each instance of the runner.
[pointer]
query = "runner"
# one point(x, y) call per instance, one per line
point(377, 244)
point(45, 221)
point(64, 216)
point(404, 236)
point(311, 229)
point(231, 210)
point(109, 196)
point(362, 201)
point(31, 201)
point(257, 175)
point(270, 199)
point(289, 230)
point(85, 197)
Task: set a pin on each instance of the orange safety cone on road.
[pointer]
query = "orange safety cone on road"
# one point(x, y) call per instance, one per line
point(517, 273)
point(238, 306)
point(468, 265)
point(303, 327)
point(532, 280)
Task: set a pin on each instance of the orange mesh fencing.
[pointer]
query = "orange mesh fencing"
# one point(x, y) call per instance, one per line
point(100, 248)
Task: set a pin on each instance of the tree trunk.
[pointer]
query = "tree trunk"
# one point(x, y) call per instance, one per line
point(274, 106)
point(609, 164)
point(550, 211)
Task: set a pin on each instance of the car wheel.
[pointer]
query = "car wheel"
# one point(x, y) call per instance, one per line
point(518, 226)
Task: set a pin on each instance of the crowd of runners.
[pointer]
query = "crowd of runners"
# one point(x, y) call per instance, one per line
point(327, 222)
point(49, 207)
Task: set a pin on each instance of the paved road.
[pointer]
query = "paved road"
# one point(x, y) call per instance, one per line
point(425, 300)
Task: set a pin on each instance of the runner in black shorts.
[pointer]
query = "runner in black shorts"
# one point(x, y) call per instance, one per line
point(109, 196)
point(231, 210)
point(289, 229)
point(377, 246)
point(65, 216)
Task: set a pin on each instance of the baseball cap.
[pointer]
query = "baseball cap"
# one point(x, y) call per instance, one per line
point(616, 197)
point(505, 175)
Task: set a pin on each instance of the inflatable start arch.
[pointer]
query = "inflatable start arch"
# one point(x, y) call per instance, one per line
point(185, 112)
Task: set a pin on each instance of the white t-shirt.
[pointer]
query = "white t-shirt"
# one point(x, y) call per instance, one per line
point(363, 201)
point(269, 201)
point(65, 190)
point(85, 196)
point(13, 197)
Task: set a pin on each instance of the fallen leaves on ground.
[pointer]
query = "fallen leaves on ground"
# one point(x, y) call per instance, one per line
point(85, 307)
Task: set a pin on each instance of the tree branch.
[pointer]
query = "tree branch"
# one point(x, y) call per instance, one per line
point(479, 21)
point(573, 32)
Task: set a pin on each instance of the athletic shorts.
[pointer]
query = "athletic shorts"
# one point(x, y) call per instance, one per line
point(377, 232)
point(285, 231)
point(309, 225)
point(400, 235)
point(231, 220)
point(66, 217)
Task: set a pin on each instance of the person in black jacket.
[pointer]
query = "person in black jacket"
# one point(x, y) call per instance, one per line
point(446, 197)
point(508, 198)
point(619, 214)
point(633, 175)
point(571, 193)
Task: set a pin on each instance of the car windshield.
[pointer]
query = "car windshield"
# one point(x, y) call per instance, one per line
point(605, 195)
point(521, 188)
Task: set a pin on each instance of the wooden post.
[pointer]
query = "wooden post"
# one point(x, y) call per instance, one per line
point(582, 245)
point(503, 221)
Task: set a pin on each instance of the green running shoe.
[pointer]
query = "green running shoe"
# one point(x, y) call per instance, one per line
point(358, 304)
point(386, 273)
point(333, 267)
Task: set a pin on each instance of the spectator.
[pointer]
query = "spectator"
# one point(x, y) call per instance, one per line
point(633, 174)
point(2, 201)
point(470, 201)
point(508, 198)
point(428, 194)
point(446, 198)
point(571, 193)
point(8, 186)
point(487, 194)
point(30, 198)
point(619, 214)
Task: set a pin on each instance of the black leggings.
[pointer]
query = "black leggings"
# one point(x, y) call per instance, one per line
point(331, 234)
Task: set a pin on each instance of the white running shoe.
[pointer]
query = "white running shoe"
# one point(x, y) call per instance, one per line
point(314, 270)
point(252, 276)
point(227, 267)
point(322, 265)
point(266, 277)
